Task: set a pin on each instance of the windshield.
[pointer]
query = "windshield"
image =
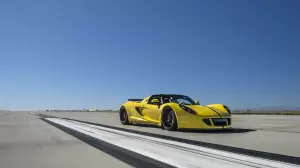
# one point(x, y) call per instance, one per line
point(180, 99)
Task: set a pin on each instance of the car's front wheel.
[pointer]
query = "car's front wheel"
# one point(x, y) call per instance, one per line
point(123, 116)
point(169, 120)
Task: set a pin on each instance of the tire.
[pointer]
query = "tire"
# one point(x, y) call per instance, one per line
point(169, 120)
point(123, 116)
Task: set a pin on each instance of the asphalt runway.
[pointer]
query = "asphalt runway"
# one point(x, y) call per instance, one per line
point(28, 142)
point(269, 133)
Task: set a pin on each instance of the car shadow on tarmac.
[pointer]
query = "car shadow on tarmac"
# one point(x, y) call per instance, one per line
point(221, 131)
point(218, 131)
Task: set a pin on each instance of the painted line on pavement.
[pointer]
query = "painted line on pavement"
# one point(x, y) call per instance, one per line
point(170, 152)
point(243, 151)
point(129, 157)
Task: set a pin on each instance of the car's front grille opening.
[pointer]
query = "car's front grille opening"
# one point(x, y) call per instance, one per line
point(219, 121)
point(207, 121)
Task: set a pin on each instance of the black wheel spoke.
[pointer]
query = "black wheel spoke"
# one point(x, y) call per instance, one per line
point(168, 120)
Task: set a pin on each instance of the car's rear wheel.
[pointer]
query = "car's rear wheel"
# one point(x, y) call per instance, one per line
point(123, 116)
point(169, 120)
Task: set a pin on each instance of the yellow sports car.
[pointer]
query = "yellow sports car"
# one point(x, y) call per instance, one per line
point(173, 111)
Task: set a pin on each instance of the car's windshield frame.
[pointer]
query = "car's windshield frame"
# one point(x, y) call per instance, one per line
point(173, 99)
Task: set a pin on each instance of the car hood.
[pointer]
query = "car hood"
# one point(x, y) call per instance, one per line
point(208, 111)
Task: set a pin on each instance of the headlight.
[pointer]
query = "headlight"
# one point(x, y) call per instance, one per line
point(188, 109)
point(227, 108)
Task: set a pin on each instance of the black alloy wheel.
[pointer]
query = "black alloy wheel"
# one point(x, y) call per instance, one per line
point(169, 120)
point(123, 116)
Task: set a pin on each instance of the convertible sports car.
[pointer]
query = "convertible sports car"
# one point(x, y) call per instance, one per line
point(173, 111)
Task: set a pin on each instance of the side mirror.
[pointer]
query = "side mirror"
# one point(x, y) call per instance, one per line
point(197, 102)
point(154, 101)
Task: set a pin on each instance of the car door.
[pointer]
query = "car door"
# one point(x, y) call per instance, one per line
point(140, 115)
point(152, 111)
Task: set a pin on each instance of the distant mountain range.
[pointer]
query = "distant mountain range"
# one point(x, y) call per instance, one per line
point(271, 108)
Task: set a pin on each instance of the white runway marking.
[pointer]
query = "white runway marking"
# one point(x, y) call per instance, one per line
point(171, 152)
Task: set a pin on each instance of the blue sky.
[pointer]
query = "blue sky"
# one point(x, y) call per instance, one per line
point(96, 54)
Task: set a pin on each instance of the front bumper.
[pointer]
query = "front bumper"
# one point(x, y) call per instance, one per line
point(198, 122)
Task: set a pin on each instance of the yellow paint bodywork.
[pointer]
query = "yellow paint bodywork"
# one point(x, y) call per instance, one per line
point(143, 113)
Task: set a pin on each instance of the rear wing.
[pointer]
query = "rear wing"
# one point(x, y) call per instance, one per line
point(135, 100)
